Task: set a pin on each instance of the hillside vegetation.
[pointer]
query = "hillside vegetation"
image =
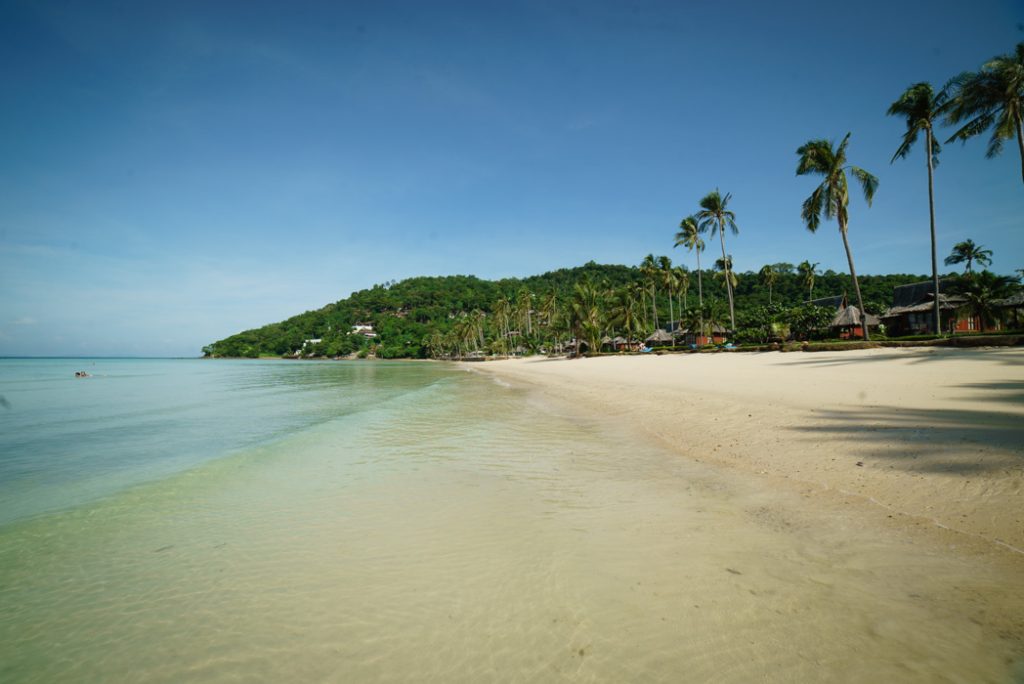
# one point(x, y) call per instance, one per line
point(417, 317)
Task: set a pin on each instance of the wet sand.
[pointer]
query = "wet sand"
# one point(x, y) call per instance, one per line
point(934, 438)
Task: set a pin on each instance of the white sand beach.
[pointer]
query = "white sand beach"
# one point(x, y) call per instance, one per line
point(928, 439)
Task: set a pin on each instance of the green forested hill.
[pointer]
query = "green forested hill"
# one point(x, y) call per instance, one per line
point(414, 316)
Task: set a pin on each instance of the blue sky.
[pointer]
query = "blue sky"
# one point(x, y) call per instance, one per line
point(172, 173)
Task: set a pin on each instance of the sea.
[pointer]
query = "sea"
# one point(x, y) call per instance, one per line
point(192, 520)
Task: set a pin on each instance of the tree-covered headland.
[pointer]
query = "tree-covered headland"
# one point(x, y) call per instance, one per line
point(457, 315)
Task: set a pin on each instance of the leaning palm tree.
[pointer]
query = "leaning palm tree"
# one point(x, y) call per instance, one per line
point(807, 272)
point(992, 97)
point(689, 237)
point(768, 276)
point(715, 216)
point(832, 197)
point(969, 253)
point(921, 106)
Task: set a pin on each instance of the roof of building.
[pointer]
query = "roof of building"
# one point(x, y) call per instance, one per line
point(716, 329)
point(946, 303)
point(835, 302)
point(915, 293)
point(1012, 300)
point(849, 317)
point(659, 336)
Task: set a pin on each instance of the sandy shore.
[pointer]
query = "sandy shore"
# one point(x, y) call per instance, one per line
point(931, 439)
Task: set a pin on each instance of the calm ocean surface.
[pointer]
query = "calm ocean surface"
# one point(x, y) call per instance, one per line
point(189, 520)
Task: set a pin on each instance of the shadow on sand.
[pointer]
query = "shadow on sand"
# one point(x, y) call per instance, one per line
point(1001, 356)
point(961, 441)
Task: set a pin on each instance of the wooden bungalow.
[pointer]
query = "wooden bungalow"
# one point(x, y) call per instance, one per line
point(912, 306)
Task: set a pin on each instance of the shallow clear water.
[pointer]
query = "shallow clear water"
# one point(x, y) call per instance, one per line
point(262, 521)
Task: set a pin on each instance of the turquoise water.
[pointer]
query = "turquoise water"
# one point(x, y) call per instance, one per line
point(169, 521)
point(66, 440)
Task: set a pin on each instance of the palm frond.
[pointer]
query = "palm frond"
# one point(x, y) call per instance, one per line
point(811, 212)
point(815, 157)
point(904, 149)
point(868, 182)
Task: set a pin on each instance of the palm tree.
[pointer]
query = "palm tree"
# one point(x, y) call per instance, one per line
point(549, 309)
point(625, 312)
point(689, 237)
point(725, 271)
point(992, 97)
point(524, 304)
point(683, 284)
point(832, 197)
point(980, 290)
point(807, 272)
point(585, 311)
point(502, 315)
point(714, 216)
point(920, 105)
point(649, 269)
point(969, 252)
point(668, 281)
point(769, 276)
point(706, 318)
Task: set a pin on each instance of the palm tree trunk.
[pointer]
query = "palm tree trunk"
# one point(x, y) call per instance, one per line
point(728, 277)
point(1020, 145)
point(700, 296)
point(654, 304)
point(769, 295)
point(931, 216)
point(856, 283)
point(643, 304)
point(670, 310)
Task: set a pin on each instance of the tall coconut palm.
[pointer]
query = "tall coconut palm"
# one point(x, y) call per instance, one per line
point(714, 215)
point(725, 271)
point(625, 312)
point(689, 236)
point(921, 106)
point(649, 269)
point(502, 315)
point(668, 280)
point(585, 312)
point(524, 307)
point(683, 287)
point(832, 197)
point(807, 272)
point(968, 252)
point(768, 276)
point(548, 311)
point(992, 97)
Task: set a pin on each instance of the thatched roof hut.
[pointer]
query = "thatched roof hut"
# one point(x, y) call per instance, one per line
point(849, 317)
point(659, 337)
